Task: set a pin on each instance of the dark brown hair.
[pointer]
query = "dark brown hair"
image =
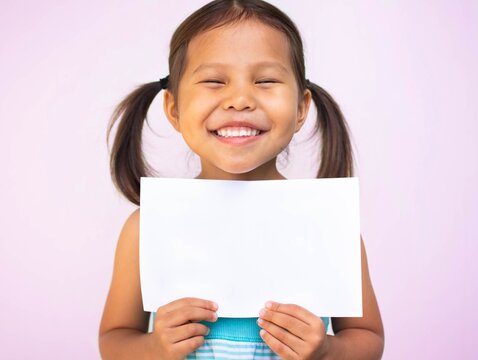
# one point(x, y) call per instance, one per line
point(127, 162)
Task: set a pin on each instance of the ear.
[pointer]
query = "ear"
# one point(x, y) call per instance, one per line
point(303, 109)
point(170, 109)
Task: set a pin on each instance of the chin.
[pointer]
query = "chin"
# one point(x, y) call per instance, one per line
point(239, 169)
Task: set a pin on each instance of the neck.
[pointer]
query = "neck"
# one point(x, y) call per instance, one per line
point(267, 171)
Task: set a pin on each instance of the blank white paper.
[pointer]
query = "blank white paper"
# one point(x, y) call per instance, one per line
point(241, 243)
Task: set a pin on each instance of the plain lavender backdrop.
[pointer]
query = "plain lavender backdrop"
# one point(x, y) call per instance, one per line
point(405, 76)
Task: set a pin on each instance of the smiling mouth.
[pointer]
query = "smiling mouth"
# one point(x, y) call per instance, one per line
point(231, 132)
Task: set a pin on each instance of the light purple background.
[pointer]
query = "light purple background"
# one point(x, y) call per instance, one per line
point(405, 75)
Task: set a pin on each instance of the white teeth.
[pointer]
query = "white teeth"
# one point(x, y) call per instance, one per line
point(235, 132)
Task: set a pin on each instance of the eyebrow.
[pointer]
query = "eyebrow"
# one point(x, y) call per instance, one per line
point(262, 64)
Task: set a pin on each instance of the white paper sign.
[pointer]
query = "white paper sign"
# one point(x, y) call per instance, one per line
point(241, 243)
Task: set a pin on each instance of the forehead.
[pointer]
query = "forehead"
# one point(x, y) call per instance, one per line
point(241, 44)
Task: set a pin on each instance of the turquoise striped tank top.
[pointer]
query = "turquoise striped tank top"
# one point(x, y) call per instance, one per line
point(234, 338)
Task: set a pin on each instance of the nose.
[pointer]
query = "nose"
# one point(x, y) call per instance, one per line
point(239, 96)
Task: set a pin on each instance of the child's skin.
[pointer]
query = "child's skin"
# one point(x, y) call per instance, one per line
point(240, 93)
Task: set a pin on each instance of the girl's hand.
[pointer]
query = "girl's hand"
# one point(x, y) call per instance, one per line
point(176, 331)
point(293, 332)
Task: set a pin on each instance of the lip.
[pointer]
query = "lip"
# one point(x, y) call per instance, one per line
point(238, 140)
point(239, 123)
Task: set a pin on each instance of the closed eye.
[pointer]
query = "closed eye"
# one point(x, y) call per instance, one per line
point(267, 81)
point(213, 81)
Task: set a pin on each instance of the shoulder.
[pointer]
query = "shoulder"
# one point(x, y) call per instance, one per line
point(133, 220)
point(128, 242)
point(131, 226)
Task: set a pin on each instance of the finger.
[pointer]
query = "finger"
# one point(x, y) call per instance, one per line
point(186, 315)
point(186, 331)
point(188, 301)
point(287, 322)
point(284, 336)
point(294, 310)
point(187, 346)
point(277, 346)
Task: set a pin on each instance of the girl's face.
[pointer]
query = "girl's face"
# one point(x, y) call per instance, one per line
point(238, 105)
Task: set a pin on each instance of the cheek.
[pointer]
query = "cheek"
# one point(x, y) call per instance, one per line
point(197, 103)
point(283, 113)
point(281, 101)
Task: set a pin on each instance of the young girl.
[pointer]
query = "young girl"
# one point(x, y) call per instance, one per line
point(237, 93)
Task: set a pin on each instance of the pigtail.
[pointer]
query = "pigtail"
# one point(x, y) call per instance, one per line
point(127, 161)
point(336, 152)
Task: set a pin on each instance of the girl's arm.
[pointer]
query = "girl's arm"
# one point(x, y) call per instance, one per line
point(293, 332)
point(359, 338)
point(123, 328)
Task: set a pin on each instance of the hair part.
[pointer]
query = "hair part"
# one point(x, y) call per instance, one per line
point(127, 161)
